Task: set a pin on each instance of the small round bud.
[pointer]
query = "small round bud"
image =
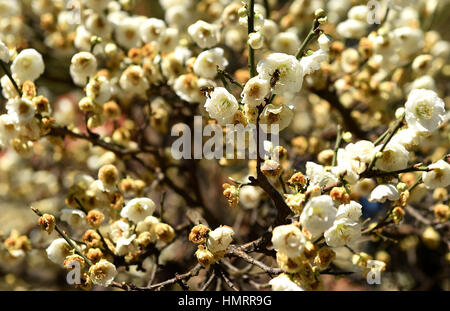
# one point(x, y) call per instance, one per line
point(347, 136)
point(164, 232)
point(256, 40)
point(242, 12)
point(401, 186)
point(204, 256)
point(94, 254)
point(231, 193)
point(397, 214)
point(399, 112)
point(431, 238)
point(320, 13)
point(441, 212)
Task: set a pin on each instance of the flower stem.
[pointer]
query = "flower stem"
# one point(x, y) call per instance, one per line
point(2, 64)
point(337, 144)
point(251, 29)
point(386, 140)
point(65, 237)
point(311, 35)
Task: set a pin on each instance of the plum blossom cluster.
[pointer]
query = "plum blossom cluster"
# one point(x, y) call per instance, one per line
point(112, 232)
point(90, 92)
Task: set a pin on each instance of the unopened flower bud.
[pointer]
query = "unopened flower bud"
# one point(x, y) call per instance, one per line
point(164, 232)
point(204, 256)
point(441, 212)
point(431, 238)
point(231, 193)
point(397, 214)
point(95, 218)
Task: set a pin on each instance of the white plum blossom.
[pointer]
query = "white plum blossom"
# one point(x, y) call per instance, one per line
point(318, 214)
point(119, 229)
point(439, 176)
point(83, 66)
point(249, 197)
point(138, 209)
point(344, 231)
point(102, 273)
point(352, 28)
point(204, 34)
point(352, 210)
point(219, 239)
point(407, 137)
point(124, 245)
point(285, 42)
point(289, 240)
point(381, 193)
point(318, 176)
point(152, 29)
point(28, 65)
point(425, 111)
point(254, 91)
point(256, 40)
point(324, 42)
point(284, 283)
point(74, 217)
point(394, 157)
point(133, 81)
point(4, 52)
point(58, 250)
point(312, 62)
point(99, 89)
point(21, 110)
point(289, 70)
point(221, 105)
point(127, 32)
point(280, 115)
point(207, 61)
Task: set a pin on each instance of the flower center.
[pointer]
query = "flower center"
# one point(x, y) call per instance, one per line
point(424, 111)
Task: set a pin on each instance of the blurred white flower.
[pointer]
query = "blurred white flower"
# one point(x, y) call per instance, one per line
point(138, 209)
point(58, 250)
point(74, 217)
point(318, 176)
point(205, 35)
point(285, 42)
point(99, 89)
point(28, 65)
point(119, 229)
point(152, 29)
point(284, 283)
point(124, 245)
point(381, 193)
point(256, 40)
point(207, 61)
point(438, 177)
point(127, 32)
point(4, 52)
point(83, 66)
point(352, 28)
point(280, 115)
point(312, 62)
point(289, 240)
point(21, 110)
point(133, 81)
